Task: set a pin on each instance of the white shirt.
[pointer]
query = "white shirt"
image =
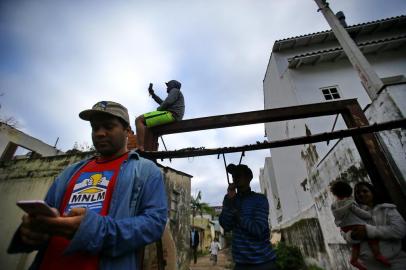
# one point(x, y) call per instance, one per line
point(214, 248)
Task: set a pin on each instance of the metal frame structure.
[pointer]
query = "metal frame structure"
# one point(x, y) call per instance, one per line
point(372, 155)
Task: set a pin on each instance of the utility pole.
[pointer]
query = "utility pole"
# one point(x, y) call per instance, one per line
point(369, 79)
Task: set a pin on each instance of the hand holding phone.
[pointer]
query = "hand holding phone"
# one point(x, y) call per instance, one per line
point(231, 192)
point(37, 208)
point(150, 90)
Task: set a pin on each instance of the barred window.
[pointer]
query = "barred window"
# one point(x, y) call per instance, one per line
point(330, 93)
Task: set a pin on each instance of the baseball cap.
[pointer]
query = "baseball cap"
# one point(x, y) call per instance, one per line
point(240, 168)
point(106, 107)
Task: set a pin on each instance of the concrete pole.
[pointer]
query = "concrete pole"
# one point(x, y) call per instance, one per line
point(369, 79)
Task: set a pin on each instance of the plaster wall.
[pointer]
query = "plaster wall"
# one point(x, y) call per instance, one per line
point(178, 187)
point(288, 168)
point(269, 188)
point(391, 105)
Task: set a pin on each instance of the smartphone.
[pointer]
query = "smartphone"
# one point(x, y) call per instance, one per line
point(37, 208)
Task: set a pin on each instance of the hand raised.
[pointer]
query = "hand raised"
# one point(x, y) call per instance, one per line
point(150, 90)
point(231, 190)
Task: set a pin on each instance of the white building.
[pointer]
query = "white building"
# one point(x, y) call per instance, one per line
point(313, 68)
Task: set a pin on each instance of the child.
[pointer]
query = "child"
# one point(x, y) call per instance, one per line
point(214, 249)
point(349, 215)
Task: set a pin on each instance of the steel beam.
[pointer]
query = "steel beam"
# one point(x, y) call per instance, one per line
point(321, 137)
point(254, 117)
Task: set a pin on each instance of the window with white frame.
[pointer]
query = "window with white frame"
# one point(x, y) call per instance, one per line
point(330, 93)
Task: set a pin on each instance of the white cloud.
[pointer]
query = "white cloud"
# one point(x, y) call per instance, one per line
point(59, 58)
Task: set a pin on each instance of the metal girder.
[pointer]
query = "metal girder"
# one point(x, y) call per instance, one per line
point(338, 134)
point(372, 155)
point(254, 117)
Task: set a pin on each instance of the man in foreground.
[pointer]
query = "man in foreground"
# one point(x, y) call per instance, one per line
point(246, 214)
point(170, 110)
point(110, 206)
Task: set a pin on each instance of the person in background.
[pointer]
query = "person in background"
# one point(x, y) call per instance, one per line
point(170, 110)
point(245, 213)
point(214, 250)
point(388, 227)
point(194, 243)
point(349, 215)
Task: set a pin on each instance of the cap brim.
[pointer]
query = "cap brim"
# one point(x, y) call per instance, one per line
point(89, 114)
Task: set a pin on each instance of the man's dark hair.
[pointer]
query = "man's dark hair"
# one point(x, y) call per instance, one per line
point(341, 189)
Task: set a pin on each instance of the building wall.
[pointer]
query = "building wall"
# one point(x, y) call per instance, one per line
point(178, 187)
point(315, 166)
point(343, 162)
point(391, 105)
point(205, 226)
point(25, 179)
point(269, 188)
point(288, 168)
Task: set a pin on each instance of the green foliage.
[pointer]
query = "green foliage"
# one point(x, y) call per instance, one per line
point(200, 207)
point(289, 257)
point(314, 267)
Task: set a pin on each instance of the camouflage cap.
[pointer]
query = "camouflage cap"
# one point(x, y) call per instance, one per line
point(106, 107)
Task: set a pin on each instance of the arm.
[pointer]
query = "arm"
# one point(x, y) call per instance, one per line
point(173, 95)
point(227, 214)
point(114, 237)
point(361, 213)
point(156, 98)
point(395, 228)
point(258, 224)
point(340, 209)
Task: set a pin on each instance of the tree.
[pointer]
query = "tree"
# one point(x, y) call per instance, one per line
point(199, 207)
point(8, 120)
point(80, 147)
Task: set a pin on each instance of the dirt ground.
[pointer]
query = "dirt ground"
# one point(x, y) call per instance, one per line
point(204, 263)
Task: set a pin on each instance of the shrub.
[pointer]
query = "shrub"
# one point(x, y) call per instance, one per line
point(289, 257)
point(314, 267)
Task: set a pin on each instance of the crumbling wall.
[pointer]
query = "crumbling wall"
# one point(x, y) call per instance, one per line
point(307, 236)
point(178, 188)
point(391, 105)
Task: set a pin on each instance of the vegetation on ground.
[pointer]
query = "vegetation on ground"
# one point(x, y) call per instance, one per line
point(291, 258)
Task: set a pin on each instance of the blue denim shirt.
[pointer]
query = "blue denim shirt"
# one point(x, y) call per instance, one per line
point(137, 215)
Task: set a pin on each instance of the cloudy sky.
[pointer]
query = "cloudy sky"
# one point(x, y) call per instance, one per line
point(60, 57)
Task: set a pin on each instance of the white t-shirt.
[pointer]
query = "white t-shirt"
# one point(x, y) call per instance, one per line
point(214, 248)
